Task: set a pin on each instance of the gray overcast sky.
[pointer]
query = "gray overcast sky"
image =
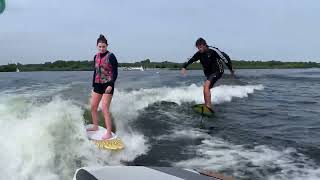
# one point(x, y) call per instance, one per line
point(36, 31)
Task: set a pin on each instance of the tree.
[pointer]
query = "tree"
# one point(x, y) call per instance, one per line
point(147, 61)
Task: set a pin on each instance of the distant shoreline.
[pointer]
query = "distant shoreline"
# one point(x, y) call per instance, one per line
point(61, 65)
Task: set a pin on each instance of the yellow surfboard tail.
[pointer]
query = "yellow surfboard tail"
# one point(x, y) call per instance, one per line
point(203, 110)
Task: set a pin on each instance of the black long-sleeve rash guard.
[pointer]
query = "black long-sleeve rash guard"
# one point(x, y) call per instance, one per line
point(211, 61)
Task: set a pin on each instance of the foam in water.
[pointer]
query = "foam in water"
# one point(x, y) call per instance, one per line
point(128, 104)
point(261, 162)
point(48, 141)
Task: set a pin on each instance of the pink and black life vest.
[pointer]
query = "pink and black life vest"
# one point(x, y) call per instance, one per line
point(103, 68)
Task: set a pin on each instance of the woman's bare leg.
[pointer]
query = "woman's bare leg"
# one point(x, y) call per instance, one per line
point(95, 100)
point(106, 100)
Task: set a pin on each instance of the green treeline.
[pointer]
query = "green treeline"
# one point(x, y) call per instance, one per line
point(62, 65)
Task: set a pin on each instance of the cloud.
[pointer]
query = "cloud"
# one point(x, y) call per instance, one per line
point(159, 30)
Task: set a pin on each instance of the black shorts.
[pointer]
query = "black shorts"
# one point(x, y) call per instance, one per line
point(213, 78)
point(101, 88)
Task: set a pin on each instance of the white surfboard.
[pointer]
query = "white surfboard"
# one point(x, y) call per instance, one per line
point(114, 143)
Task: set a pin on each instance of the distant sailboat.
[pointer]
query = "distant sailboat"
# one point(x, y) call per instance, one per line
point(17, 69)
